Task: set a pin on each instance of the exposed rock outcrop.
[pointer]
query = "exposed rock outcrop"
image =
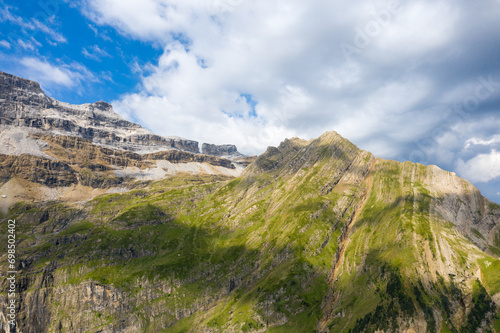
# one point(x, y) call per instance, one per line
point(220, 150)
point(78, 161)
point(36, 169)
point(182, 157)
point(24, 104)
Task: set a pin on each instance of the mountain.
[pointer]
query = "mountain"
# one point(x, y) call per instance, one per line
point(312, 236)
point(88, 149)
point(25, 104)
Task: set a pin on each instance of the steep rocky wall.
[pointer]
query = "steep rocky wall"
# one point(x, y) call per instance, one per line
point(76, 160)
point(24, 104)
point(36, 169)
point(177, 156)
point(219, 150)
point(15, 93)
point(80, 151)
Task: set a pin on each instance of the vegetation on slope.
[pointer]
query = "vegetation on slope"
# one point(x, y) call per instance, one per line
point(256, 253)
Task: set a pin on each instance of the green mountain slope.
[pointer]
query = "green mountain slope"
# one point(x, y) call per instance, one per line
point(314, 236)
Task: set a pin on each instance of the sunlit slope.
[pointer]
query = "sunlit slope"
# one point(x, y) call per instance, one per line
point(315, 235)
point(410, 261)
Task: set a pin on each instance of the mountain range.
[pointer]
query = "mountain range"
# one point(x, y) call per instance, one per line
point(122, 230)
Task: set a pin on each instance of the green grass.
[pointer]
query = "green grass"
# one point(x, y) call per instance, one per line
point(140, 213)
point(494, 206)
point(496, 322)
point(80, 227)
point(496, 240)
point(490, 268)
point(257, 249)
point(477, 233)
point(482, 305)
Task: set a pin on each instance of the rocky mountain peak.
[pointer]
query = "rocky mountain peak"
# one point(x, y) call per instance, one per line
point(16, 89)
point(23, 104)
point(103, 106)
point(10, 82)
point(220, 150)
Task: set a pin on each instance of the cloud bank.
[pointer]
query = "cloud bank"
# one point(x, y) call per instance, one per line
point(381, 73)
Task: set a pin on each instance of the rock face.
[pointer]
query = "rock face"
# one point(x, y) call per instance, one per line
point(24, 104)
point(73, 160)
point(36, 169)
point(57, 145)
point(220, 150)
point(315, 236)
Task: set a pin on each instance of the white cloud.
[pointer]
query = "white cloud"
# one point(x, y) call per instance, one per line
point(145, 19)
point(7, 16)
point(4, 43)
point(482, 168)
point(33, 26)
point(482, 142)
point(96, 53)
point(44, 72)
point(26, 45)
point(56, 36)
point(51, 75)
point(459, 139)
point(422, 23)
point(286, 55)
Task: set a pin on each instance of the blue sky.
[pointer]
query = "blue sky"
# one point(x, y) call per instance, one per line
point(96, 63)
point(414, 80)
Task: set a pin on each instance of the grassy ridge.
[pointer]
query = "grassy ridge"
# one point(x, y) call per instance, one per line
point(393, 268)
point(256, 253)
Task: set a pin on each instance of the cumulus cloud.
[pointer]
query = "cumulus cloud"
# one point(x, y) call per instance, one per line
point(482, 168)
point(470, 147)
point(288, 57)
point(255, 72)
point(152, 20)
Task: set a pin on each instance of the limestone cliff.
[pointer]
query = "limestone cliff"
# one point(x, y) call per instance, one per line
point(54, 150)
point(220, 150)
point(24, 104)
point(73, 160)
